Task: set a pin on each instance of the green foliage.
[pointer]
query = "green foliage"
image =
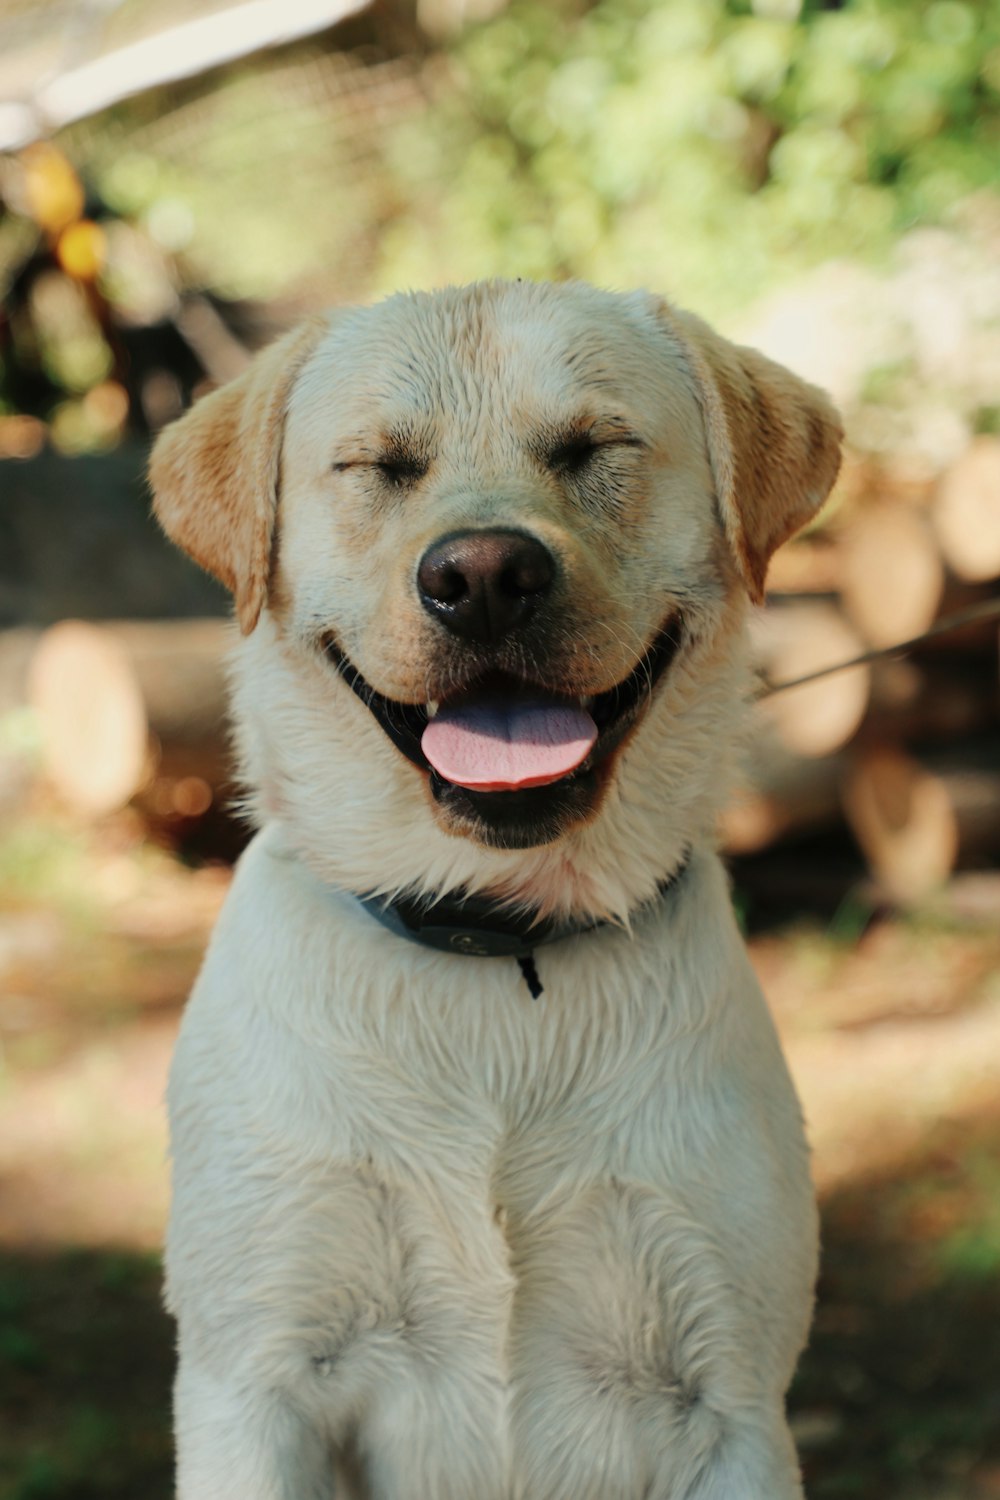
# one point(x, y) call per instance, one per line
point(711, 149)
point(695, 145)
point(251, 184)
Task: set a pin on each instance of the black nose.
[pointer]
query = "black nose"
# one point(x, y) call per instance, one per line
point(482, 584)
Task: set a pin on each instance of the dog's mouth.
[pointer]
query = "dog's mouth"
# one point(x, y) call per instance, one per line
point(503, 734)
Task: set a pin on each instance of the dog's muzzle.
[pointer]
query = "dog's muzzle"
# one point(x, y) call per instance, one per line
point(509, 759)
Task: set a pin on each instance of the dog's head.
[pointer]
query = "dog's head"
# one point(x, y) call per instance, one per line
point(499, 537)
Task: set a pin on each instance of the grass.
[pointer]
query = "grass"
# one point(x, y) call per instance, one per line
point(85, 1369)
point(904, 1354)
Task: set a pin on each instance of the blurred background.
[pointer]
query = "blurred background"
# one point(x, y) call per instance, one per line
point(179, 181)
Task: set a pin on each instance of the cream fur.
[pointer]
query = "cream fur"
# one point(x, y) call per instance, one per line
point(431, 1238)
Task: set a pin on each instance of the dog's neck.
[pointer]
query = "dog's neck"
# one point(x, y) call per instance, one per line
point(483, 926)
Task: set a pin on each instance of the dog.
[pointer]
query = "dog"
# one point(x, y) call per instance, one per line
point(489, 1180)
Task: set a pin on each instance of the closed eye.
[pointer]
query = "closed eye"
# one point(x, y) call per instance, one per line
point(574, 453)
point(401, 469)
point(398, 470)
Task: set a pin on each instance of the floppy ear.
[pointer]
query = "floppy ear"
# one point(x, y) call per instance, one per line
point(773, 443)
point(214, 472)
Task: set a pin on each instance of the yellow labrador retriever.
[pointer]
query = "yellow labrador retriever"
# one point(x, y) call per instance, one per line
point(489, 1179)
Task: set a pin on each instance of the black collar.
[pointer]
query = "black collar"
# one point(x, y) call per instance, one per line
point(479, 927)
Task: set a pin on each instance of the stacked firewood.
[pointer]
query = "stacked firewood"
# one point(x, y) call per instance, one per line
point(905, 748)
point(126, 713)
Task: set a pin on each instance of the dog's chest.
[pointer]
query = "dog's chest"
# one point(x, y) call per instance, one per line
point(445, 1198)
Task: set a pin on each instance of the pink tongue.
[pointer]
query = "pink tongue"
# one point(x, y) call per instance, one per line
point(499, 749)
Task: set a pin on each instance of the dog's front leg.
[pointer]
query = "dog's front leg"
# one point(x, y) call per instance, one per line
point(749, 1461)
point(239, 1443)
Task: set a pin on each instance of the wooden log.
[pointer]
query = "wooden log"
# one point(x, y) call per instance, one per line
point(929, 700)
point(781, 795)
point(125, 707)
point(77, 541)
point(913, 818)
point(892, 575)
point(811, 566)
point(89, 709)
point(790, 642)
point(903, 821)
point(971, 772)
point(967, 512)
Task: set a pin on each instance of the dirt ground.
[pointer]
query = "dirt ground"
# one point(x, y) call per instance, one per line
point(893, 1034)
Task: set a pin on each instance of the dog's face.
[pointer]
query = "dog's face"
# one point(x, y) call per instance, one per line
point(487, 520)
point(506, 514)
